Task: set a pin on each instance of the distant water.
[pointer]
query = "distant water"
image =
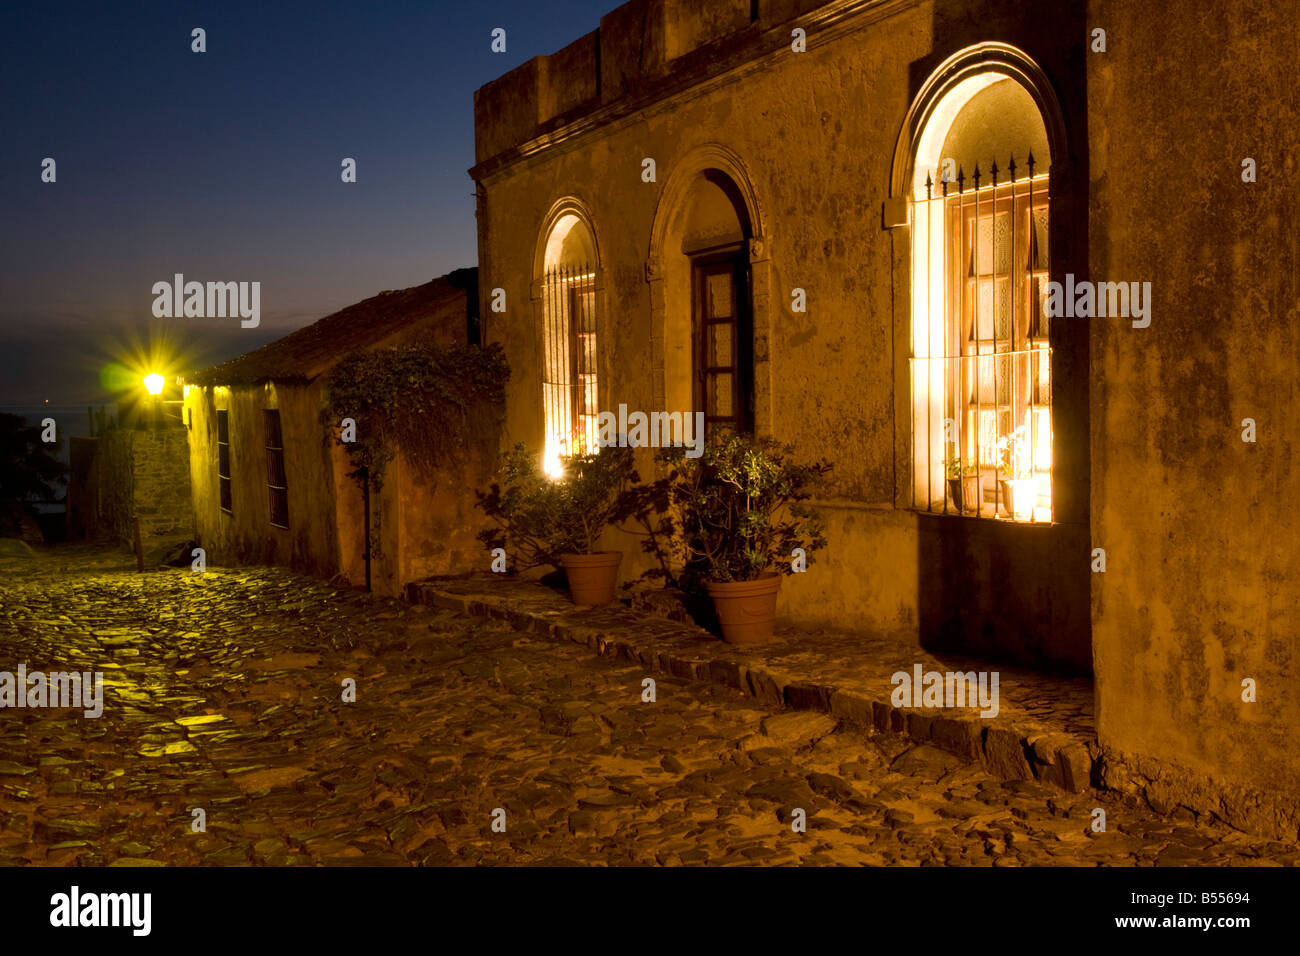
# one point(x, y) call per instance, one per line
point(71, 421)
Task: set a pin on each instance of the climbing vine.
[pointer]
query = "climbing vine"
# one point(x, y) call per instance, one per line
point(427, 401)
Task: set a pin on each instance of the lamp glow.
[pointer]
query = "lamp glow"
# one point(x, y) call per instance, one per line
point(153, 383)
point(552, 466)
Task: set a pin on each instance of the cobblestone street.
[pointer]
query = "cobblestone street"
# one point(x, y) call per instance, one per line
point(223, 693)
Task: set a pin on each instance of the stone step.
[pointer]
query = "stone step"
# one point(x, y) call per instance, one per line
point(841, 674)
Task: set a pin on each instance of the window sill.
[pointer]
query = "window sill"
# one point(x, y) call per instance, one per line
point(990, 519)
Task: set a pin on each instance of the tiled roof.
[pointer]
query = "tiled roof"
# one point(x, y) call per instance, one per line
point(310, 351)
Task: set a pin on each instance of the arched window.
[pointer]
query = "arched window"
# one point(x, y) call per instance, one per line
point(569, 360)
point(981, 385)
point(709, 271)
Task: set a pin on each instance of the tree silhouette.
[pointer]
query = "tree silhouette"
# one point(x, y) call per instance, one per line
point(28, 468)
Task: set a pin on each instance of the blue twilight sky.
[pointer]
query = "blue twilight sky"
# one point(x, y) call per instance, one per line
point(225, 165)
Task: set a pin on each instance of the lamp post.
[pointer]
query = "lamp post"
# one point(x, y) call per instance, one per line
point(153, 384)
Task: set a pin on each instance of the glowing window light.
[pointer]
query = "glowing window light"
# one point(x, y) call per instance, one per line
point(551, 463)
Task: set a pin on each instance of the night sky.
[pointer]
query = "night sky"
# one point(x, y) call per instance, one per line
point(225, 165)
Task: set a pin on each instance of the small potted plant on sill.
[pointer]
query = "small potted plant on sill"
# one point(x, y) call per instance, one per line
point(1016, 476)
point(740, 518)
point(963, 484)
point(558, 519)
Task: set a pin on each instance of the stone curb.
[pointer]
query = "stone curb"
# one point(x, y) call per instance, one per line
point(1008, 751)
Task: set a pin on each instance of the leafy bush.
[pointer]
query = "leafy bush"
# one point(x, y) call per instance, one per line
point(542, 518)
point(738, 509)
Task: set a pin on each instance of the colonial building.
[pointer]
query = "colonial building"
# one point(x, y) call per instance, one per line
point(1022, 271)
point(272, 481)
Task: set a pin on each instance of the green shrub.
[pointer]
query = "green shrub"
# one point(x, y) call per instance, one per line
point(738, 509)
point(540, 518)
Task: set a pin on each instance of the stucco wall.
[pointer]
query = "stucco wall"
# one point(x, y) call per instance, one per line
point(246, 535)
point(1199, 527)
point(428, 523)
point(423, 524)
point(815, 135)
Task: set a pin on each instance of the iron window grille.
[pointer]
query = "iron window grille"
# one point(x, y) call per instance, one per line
point(570, 380)
point(981, 356)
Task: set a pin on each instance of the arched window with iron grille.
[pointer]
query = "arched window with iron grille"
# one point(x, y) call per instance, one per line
point(981, 355)
point(570, 360)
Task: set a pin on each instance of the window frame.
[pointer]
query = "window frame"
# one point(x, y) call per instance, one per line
point(584, 383)
point(703, 265)
point(225, 488)
point(570, 386)
point(275, 467)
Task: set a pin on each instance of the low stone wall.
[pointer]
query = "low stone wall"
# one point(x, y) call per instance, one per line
point(144, 474)
point(161, 491)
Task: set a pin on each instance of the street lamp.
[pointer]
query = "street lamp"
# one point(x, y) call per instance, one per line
point(153, 384)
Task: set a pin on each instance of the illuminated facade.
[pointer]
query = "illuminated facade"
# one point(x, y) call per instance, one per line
point(791, 229)
point(702, 218)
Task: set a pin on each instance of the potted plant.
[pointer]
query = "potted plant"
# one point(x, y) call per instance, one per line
point(558, 519)
point(740, 520)
point(1016, 476)
point(963, 483)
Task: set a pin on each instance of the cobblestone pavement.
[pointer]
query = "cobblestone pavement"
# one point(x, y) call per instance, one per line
point(224, 694)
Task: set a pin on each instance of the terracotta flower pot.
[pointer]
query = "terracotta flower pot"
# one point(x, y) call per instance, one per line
point(746, 609)
point(592, 577)
point(964, 493)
